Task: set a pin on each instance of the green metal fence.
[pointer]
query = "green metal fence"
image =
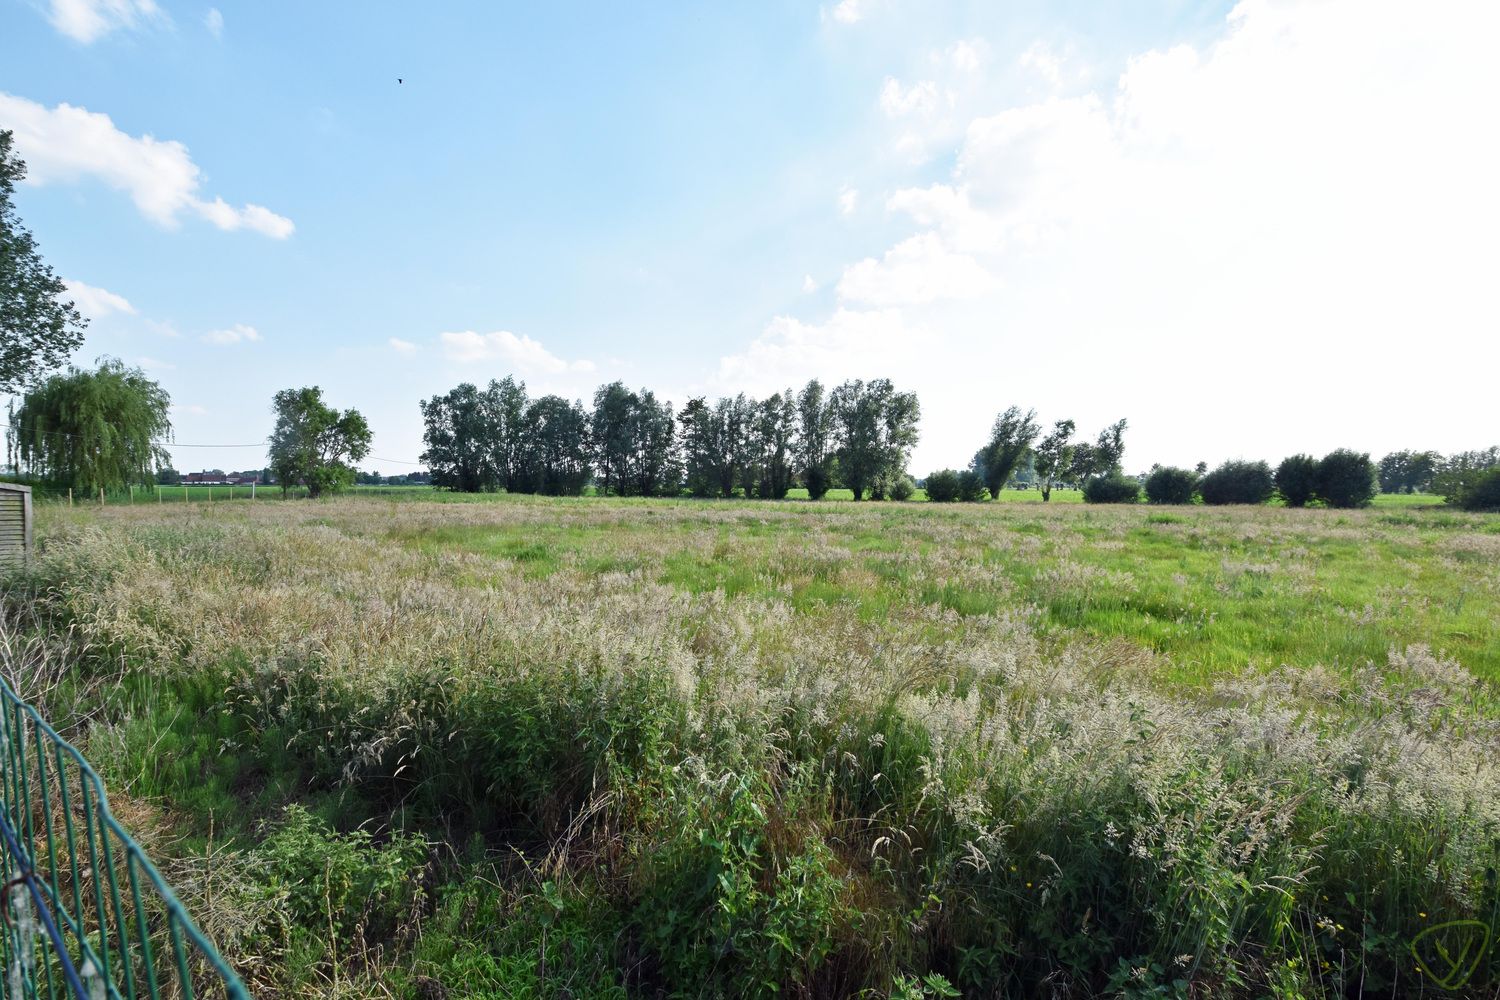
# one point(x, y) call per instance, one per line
point(86, 914)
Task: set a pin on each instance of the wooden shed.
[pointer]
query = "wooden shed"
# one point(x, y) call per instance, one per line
point(15, 524)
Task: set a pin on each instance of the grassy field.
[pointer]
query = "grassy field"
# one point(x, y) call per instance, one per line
point(396, 745)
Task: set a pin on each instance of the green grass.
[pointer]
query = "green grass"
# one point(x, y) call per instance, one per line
point(516, 746)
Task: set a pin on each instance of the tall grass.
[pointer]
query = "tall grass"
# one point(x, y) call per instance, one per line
point(532, 748)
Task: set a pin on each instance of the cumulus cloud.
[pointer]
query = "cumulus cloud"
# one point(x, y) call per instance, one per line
point(402, 346)
point(809, 284)
point(154, 365)
point(848, 11)
point(848, 200)
point(96, 303)
point(916, 271)
point(67, 144)
point(87, 21)
point(240, 333)
point(214, 22)
point(852, 343)
point(1314, 183)
point(528, 357)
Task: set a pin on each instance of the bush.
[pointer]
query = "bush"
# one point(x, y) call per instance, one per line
point(970, 486)
point(818, 482)
point(1112, 489)
point(1346, 478)
point(1238, 482)
point(942, 486)
point(1297, 480)
point(1484, 494)
point(903, 488)
point(1171, 485)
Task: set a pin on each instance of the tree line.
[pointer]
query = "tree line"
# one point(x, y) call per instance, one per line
point(857, 435)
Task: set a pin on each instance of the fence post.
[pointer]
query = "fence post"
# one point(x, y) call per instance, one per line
point(101, 496)
point(70, 496)
point(132, 492)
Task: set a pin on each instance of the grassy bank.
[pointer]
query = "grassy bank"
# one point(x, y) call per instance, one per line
point(521, 747)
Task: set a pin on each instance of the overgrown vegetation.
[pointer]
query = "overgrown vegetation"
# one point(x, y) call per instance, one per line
point(528, 747)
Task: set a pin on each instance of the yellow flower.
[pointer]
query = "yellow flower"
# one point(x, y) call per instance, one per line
point(1028, 885)
point(1422, 915)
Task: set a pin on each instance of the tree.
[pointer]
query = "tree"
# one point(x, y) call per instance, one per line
point(1460, 473)
point(1053, 456)
point(875, 428)
point(1102, 458)
point(1297, 479)
point(39, 328)
point(1238, 482)
point(815, 428)
point(94, 429)
point(1484, 492)
point(652, 467)
point(611, 433)
point(775, 432)
point(168, 476)
point(1169, 485)
point(1346, 478)
point(460, 438)
point(699, 432)
point(1010, 440)
point(503, 405)
point(555, 456)
point(315, 444)
point(1408, 471)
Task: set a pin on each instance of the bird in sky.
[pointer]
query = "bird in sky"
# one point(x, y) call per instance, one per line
point(398, 79)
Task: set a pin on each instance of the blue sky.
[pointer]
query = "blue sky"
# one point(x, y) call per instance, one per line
point(1251, 230)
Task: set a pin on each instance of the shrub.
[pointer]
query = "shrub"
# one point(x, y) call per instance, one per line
point(1238, 482)
point(818, 482)
point(1484, 494)
point(1346, 478)
point(1112, 489)
point(942, 486)
point(1297, 480)
point(1167, 484)
point(970, 486)
point(903, 488)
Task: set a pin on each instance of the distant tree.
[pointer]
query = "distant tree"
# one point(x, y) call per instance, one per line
point(1462, 472)
point(168, 476)
point(315, 444)
point(1010, 440)
point(971, 488)
point(815, 429)
point(611, 434)
point(1346, 478)
point(1169, 485)
point(1297, 480)
point(94, 429)
point(1408, 471)
point(903, 488)
point(460, 436)
point(504, 405)
point(875, 428)
point(1238, 482)
point(1053, 456)
point(774, 442)
point(1484, 492)
point(1111, 488)
point(652, 467)
point(555, 461)
point(699, 432)
point(1101, 458)
point(942, 486)
point(39, 325)
point(733, 422)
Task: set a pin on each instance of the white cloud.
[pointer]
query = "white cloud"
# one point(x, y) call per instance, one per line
point(214, 22)
point(402, 346)
point(1311, 192)
point(528, 357)
point(849, 11)
point(87, 21)
point(66, 144)
point(192, 409)
point(1045, 63)
point(809, 284)
point(237, 334)
point(966, 56)
point(848, 200)
point(153, 365)
point(897, 101)
point(918, 270)
point(96, 303)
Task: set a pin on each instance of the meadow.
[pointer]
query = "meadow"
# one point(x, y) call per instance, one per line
point(394, 745)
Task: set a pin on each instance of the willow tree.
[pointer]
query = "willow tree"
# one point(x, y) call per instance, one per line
point(93, 429)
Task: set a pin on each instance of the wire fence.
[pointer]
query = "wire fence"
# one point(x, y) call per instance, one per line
point(86, 914)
